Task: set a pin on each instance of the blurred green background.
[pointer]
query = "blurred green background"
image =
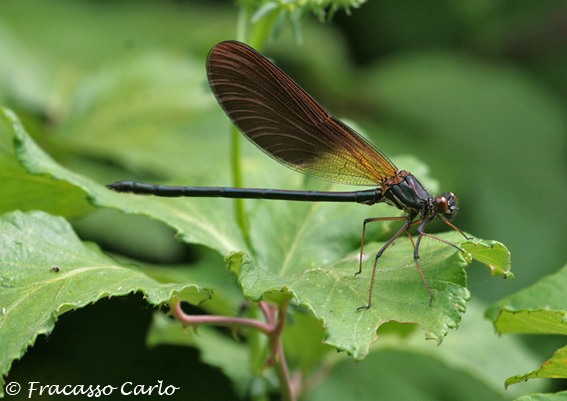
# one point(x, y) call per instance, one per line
point(477, 90)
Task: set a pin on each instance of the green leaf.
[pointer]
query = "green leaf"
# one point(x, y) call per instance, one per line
point(24, 191)
point(541, 321)
point(538, 309)
point(202, 221)
point(548, 292)
point(46, 270)
point(333, 293)
point(556, 367)
point(493, 254)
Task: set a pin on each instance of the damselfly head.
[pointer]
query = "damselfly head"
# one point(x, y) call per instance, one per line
point(446, 204)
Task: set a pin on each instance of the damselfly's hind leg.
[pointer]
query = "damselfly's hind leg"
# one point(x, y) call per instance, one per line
point(366, 221)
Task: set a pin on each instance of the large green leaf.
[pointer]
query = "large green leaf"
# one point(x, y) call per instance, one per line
point(202, 221)
point(333, 293)
point(46, 270)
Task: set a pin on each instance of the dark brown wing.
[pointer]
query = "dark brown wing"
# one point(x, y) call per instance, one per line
point(279, 117)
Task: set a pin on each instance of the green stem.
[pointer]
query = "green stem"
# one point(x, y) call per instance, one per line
point(243, 15)
point(262, 29)
point(258, 36)
point(237, 181)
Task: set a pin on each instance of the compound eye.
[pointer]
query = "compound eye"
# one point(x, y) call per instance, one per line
point(451, 198)
point(441, 204)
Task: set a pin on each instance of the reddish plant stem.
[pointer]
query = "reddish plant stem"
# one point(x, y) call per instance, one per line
point(269, 312)
point(273, 328)
point(197, 320)
point(276, 347)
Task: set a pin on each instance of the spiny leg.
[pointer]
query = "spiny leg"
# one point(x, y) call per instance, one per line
point(421, 232)
point(453, 227)
point(416, 255)
point(380, 252)
point(408, 231)
point(366, 221)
